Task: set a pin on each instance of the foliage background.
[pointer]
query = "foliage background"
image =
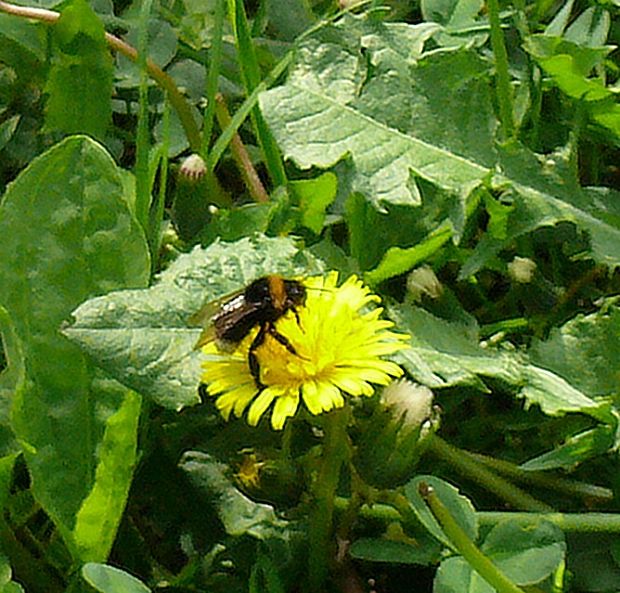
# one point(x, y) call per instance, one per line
point(460, 156)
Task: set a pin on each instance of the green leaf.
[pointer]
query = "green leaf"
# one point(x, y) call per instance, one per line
point(584, 351)
point(569, 79)
point(6, 584)
point(398, 261)
point(584, 58)
point(22, 45)
point(79, 86)
point(143, 338)
point(12, 379)
point(560, 20)
point(394, 552)
point(459, 20)
point(236, 223)
point(289, 18)
point(451, 12)
point(590, 28)
point(350, 94)
point(574, 450)
point(545, 192)
point(444, 354)
point(67, 237)
point(239, 514)
point(108, 579)
point(607, 114)
point(314, 196)
point(458, 505)
point(100, 513)
point(525, 555)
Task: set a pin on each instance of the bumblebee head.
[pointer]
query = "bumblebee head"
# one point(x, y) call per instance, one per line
point(295, 293)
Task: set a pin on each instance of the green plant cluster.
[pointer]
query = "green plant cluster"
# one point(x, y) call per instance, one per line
point(459, 156)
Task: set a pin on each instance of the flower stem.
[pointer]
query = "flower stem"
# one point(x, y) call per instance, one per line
point(567, 522)
point(478, 561)
point(591, 492)
point(240, 154)
point(320, 529)
point(486, 478)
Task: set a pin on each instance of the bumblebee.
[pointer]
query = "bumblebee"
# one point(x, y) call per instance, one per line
point(261, 304)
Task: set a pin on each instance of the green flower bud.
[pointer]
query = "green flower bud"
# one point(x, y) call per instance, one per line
point(396, 434)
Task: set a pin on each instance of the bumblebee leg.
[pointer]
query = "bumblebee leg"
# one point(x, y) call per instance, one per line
point(276, 335)
point(253, 359)
point(296, 313)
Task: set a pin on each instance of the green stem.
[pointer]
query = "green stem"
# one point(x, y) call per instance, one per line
point(215, 62)
point(143, 185)
point(569, 487)
point(478, 561)
point(240, 155)
point(334, 453)
point(477, 472)
point(250, 102)
point(251, 75)
point(504, 90)
point(568, 522)
point(244, 110)
point(157, 209)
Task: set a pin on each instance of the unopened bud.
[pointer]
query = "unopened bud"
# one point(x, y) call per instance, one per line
point(396, 433)
point(521, 269)
point(423, 281)
point(193, 168)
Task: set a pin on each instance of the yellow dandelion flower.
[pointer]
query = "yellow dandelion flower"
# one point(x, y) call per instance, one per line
point(339, 339)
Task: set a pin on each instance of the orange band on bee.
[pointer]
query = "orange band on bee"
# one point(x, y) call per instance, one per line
point(278, 291)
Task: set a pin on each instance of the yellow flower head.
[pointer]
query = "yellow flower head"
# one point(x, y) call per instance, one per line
point(339, 341)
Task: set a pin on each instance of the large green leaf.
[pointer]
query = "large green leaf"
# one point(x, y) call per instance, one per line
point(445, 354)
point(239, 514)
point(143, 337)
point(79, 86)
point(350, 94)
point(585, 351)
point(68, 234)
point(401, 116)
point(12, 379)
point(373, 549)
point(544, 192)
point(100, 514)
point(108, 579)
point(525, 555)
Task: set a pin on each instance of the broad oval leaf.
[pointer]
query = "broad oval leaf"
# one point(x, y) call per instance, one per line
point(108, 579)
point(458, 505)
point(144, 339)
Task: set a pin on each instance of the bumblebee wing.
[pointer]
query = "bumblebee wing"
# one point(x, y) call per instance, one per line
point(206, 336)
point(227, 319)
point(211, 308)
point(204, 317)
